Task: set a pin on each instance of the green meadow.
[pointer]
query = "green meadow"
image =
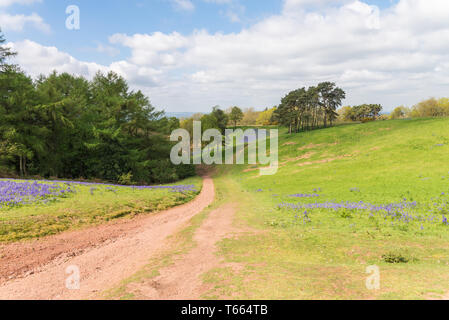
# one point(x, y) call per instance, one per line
point(344, 199)
point(391, 181)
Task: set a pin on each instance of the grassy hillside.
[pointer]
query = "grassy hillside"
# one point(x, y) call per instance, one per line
point(344, 199)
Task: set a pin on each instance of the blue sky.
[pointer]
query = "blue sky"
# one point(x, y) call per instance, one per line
point(188, 55)
point(102, 18)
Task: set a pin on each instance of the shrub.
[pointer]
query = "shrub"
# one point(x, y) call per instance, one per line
point(396, 257)
point(126, 179)
point(365, 120)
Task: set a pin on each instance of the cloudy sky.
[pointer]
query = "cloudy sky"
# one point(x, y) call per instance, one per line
point(189, 55)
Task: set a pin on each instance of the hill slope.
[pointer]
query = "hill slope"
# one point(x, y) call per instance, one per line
point(344, 199)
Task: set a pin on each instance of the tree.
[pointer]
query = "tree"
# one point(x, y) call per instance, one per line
point(306, 109)
point(68, 127)
point(21, 136)
point(236, 115)
point(208, 121)
point(345, 113)
point(249, 117)
point(428, 108)
point(5, 52)
point(331, 98)
point(264, 118)
point(221, 117)
point(365, 112)
point(400, 112)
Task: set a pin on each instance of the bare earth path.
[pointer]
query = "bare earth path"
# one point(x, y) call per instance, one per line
point(103, 264)
point(182, 280)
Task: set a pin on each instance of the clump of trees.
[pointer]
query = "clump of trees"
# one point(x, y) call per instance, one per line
point(363, 113)
point(66, 126)
point(306, 109)
point(430, 108)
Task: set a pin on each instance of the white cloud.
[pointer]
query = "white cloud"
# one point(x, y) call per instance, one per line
point(157, 48)
point(37, 59)
point(18, 22)
point(392, 56)
point(7, 3)
point(294, 5)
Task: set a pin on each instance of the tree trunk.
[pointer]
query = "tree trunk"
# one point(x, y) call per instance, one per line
point(20, 166)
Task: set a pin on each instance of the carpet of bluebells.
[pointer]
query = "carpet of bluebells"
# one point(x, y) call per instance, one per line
point(404, 212)
point(14, 193)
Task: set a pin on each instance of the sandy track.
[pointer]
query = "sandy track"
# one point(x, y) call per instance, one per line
point(105, 265)
point(182, 280)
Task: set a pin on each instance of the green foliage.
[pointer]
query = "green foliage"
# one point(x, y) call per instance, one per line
point(364, 113)
point(208, 121)
point(400, 112)
point(5, 53)
point(265, 117)
point(431, 108)
point(236, 115)
point(344, 114)
point(217, 119)
point(395, 257)
point(68, 127)
point(221, 119)
point(305, 109)
point(126, 179)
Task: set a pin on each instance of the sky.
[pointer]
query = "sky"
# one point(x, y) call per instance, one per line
point(190, 55)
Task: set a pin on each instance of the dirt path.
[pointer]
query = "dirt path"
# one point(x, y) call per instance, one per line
point(102, 256)
point(182, 280)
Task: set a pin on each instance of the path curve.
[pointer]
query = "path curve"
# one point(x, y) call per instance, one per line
point(105, 265)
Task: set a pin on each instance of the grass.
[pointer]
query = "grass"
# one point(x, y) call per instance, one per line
point(312, 253)
point(87, 207)
point(325, 255)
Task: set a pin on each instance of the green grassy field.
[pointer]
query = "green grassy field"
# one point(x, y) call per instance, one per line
point(344, 199)
point(89, 205)
point(305, 252)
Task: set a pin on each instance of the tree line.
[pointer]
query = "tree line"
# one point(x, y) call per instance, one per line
point(66, 126)
point(430, 108)
point(231, 117)
point(306, 109)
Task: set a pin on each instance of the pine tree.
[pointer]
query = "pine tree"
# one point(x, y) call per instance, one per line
point(5, 53)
